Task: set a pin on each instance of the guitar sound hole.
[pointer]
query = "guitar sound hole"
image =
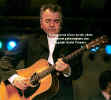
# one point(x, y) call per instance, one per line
point(34, 80)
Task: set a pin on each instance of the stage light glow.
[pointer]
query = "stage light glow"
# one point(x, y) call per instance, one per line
point(108, 49)
point(11, 45)
point(1, 44)
point(94, 49)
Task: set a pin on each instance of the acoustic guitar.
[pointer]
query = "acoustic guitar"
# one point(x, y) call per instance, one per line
point(39, 75)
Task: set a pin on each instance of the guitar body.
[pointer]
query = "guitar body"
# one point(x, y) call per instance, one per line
point(45, 83)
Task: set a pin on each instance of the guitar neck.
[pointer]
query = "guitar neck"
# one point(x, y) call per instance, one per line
point(46, 72)
point(98, 41)
point(73, 54)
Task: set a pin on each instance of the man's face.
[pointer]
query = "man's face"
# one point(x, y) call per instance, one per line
point(50, 22)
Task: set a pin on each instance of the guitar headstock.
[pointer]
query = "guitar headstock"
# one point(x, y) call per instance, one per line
point(98, 41)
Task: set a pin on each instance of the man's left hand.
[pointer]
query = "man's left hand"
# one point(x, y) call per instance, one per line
point(61, 66)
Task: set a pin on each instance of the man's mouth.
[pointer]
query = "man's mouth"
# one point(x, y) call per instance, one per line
point(51, 29)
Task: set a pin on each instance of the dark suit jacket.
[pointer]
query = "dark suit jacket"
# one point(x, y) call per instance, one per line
point(99, 96)
point(38, 48)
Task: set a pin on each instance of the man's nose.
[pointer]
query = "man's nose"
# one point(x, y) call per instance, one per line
point(52, 23)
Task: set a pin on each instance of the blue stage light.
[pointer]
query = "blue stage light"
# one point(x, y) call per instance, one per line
point(1, 44)
point(11, 45)
point(94, 49)
point(97, 48)
point(108, 49)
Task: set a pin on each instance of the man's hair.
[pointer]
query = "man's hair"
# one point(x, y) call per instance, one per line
point(52, 7)
point(104, 79)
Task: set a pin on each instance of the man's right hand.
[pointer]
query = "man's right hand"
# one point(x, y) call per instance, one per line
point(20, 82)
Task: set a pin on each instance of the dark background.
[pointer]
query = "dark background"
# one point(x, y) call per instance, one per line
point(22, 16)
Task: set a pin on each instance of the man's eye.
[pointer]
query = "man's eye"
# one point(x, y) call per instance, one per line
point(47, 21)
point(57, 21)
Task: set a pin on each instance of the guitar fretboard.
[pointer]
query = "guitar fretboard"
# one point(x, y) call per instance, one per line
point(74, 53)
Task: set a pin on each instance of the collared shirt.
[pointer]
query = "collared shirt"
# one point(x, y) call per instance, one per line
point(51, 44)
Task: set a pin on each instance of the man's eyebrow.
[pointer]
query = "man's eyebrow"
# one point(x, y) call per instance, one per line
point(54, 19)
point(57, 19)
point(47, 19)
